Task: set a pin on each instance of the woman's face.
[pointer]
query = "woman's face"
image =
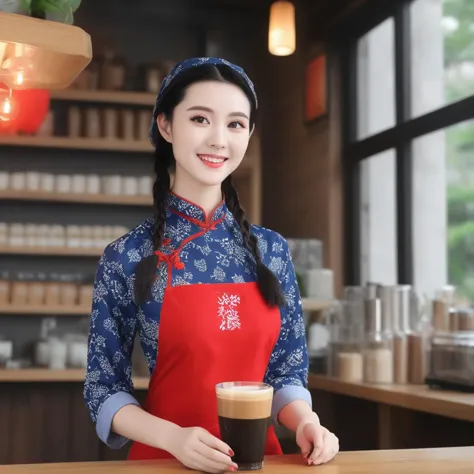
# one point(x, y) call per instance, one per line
point(209, 131)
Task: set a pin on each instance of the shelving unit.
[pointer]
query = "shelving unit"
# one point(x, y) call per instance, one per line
point(107, 97)
point(45, 310)
point(308, 305)
point(118, 200)
point(50, 375)
point(79, 143)
point(50, 251)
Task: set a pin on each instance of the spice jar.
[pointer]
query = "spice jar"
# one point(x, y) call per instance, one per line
point(19, 290)
point(378, 346)
point(4, 288)
point(37, 289)
point(52, 291)
point(69, 290)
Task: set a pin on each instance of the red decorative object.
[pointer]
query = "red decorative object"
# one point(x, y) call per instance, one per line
point(33, 106)
point(315, 89)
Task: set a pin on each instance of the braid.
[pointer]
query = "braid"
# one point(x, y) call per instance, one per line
point(267, 281)
point(146, 268)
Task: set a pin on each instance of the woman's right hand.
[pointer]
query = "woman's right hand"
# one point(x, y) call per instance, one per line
point(198, 449)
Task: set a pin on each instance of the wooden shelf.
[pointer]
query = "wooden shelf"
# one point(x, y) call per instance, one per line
point(76, 198)
point(99, 144)
point(46, 310)
point(110, 97)
point(50, 251)
point(447, 403)
point(50, 375)
point(315, 305)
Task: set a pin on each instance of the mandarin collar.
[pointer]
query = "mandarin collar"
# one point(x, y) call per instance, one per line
point(189, 210)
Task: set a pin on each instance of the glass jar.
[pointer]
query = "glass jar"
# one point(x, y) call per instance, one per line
point(4, 288)
point(378, 346)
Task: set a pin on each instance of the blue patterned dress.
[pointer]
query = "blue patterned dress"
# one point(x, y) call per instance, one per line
point(217, 256)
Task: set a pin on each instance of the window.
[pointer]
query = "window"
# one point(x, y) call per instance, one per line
point(442, 64)
point(409, 138)
point(378, 219)
point(376, 80)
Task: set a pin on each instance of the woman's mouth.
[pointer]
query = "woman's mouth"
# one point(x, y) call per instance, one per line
point(213, 161)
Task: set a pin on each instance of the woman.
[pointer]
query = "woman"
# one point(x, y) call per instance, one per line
point(212, 297)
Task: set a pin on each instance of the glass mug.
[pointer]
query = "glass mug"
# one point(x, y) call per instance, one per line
point(244, 412)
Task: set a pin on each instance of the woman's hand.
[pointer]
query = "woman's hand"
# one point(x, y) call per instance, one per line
point(318, 445)
point(197, 449)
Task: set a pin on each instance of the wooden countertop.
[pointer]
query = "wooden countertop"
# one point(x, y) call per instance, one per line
point(423, 461)
point(451, 404)
point(51, 375)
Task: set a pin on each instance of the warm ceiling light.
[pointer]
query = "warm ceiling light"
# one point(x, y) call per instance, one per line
point(281, 31)
point(41, 54)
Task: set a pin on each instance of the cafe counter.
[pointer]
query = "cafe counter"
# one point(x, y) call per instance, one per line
point(393, 416)
point(425, 461)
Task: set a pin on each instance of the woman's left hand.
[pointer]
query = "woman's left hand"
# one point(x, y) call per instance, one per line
point(318, 445)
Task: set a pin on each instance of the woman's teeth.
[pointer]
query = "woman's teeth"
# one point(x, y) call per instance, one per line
point(212, 159)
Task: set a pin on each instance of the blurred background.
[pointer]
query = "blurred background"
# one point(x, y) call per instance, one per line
point(363, 158)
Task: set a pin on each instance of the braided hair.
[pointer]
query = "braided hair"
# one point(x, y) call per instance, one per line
point(164, 160)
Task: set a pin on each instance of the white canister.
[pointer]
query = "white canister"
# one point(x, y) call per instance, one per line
point(93, 184)
point(319, 283)
point(47, 182)
point(31, 235)
point(6, 351)
point(44, 235)
point(32, 181)
point(63, 183)
point(112, 184)
point(73, 236)
point(145, 186)
point(77, 354)
point(17, 234)
point(58, 353)
point(130, 186)
point(87, 237)
point(18, 181)
point(42, 353)
point(4, 180)
point(78, 183)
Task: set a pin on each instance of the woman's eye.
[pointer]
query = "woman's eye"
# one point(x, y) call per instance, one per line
point(237, 125)
point(200, 119)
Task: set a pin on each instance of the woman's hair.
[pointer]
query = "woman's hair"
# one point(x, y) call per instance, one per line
point(164, 160)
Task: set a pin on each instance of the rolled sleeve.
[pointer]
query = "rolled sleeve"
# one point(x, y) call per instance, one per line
point(106, 414)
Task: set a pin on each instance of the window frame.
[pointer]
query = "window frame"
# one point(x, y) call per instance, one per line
point(399, 137)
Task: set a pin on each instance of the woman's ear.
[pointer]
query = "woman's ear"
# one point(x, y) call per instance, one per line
point(164, 127)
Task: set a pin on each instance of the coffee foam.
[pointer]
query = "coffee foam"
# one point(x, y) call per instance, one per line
point(244, 402)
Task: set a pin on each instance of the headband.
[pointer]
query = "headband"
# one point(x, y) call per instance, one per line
point(183, 66)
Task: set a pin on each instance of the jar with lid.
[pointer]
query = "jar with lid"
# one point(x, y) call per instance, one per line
point(36, 290)
point(69, 290)
point(346, 336)
point(19, 290)
point(4, 288)
point(378, 345)
point(52, 290)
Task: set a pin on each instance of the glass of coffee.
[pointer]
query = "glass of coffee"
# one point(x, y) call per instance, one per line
point(244, 411)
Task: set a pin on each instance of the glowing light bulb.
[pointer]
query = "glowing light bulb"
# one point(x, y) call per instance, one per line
point(16, 72)
point(8, 107)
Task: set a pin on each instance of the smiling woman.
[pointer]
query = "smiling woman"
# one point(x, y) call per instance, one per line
point(214, 298)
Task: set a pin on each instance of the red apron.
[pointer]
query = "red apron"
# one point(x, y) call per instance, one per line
point(208, 333)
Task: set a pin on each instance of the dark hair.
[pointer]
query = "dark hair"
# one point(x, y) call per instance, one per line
point(164, 159)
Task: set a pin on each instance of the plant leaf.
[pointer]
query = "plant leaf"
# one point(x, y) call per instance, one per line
point(75, 4)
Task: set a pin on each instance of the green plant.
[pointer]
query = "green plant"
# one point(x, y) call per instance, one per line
point(58, 10)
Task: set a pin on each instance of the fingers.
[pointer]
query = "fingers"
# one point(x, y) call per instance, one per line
point(215, 443)
point(215, 452)
point(316, 436)
point(206, 464)
point(330, 449)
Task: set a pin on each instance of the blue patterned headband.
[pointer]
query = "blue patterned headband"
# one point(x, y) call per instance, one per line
point(177, 70)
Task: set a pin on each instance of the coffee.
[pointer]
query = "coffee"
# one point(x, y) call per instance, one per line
point(244, 411)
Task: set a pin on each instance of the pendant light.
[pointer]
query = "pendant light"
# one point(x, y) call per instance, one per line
point(281, 31)
point(39, 54)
